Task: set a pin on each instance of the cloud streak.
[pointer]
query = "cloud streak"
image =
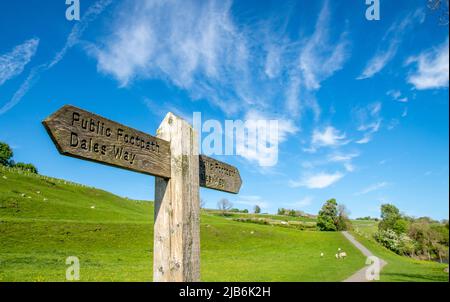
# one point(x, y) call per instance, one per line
point(369, 121)
point(390, 44)
point(200, 48)
point(73, 38)
point(432, 69)
point(319, 180)
point(319, 58)
point(13, 62)
point(253, 200)
point(372, 188)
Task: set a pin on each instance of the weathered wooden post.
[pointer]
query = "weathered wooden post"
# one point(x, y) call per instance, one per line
point(176, 247)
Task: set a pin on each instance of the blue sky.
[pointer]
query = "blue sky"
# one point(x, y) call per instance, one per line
point(362, 105)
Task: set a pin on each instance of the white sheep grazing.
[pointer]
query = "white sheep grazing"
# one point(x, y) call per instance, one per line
point(341, 255)
point(321, 254)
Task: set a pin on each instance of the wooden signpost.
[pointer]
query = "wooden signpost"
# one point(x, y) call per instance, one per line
point(172, 157)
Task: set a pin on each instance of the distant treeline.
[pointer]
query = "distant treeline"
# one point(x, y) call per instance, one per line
point(6, 155)
point(293, 213)
point(368, 218)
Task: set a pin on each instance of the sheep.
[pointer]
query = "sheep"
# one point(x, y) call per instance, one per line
point(341, 255)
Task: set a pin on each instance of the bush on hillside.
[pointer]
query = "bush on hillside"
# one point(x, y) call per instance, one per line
point(291, 212)
point(26, 167)
point(398, 243)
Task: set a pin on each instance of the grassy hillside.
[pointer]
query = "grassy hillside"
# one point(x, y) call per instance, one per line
point(399, 268)
point(45, 220)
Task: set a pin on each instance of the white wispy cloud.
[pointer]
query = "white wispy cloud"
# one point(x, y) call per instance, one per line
point(397, 96)
point(381, 59)
point(368, 120)
point(338, 157)
point(349, 167)
point(73, 38)
point(393, 124)
point(304, 202)
point(13, 62)
point(318, 180)
point(342, 157)
point(252, 200)
point(390, 44)
point(372, 188)
point(199, 47)
point(432, 68)
point(258, 127)
point(405, 112)
point(196, 46)
point(365, 139)
point(327, 137)
point(345, 159)
point(319, 58)
point(160, 109)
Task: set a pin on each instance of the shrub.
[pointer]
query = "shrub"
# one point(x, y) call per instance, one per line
point(26, 167)
point(398, 243)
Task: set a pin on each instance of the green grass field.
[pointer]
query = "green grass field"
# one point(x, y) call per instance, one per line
point(399, 268)
point(43, 221)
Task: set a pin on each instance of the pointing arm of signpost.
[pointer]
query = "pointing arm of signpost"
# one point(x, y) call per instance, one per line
point(172, 157)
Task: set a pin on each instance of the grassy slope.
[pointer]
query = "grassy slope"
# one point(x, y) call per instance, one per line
point(114, 240)
point(399, 268)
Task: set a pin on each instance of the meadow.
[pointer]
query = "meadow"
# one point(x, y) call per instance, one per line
point(45, 220)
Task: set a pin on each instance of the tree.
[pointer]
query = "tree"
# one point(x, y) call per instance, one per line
point(26, 167)
point(389, 216)
point(327, 216)
point(5, 154)
point(431, 240)
point(224, 205)
point(342, 220)
point(202, 203)
point(257, 209)
point(400, 226)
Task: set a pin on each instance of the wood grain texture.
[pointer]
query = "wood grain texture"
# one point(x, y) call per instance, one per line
point(176, 247)
point(81, 134)
point(217, 175)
